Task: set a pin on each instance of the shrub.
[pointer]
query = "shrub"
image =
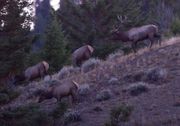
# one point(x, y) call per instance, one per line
point(4, 98)
point(103, 49)
point(115, 55)
point(29, 115)
point(72, 116)
point(104, 95)
point(90, 64)
point(137, 88)
point(156, 74)
point(84, 89)
point(113, 81)
point(68, 71)
point(60, 110)
point(119, 114)
point(13, 94)
point(97, 108)
point(175, 27)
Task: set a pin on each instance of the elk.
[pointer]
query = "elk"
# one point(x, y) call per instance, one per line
point(33, 72)
point(81, 54)
point(58, 91)
point(137, 34)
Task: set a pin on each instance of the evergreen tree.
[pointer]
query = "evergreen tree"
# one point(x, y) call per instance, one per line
point(14, 35)
point(92, 21)
point(54, 51)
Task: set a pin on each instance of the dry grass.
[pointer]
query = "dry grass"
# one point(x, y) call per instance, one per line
point(71, 116)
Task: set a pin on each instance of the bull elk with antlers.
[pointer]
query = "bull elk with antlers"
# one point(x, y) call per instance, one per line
point(134, 35)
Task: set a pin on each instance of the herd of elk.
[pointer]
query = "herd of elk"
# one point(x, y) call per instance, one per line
point(81, 54)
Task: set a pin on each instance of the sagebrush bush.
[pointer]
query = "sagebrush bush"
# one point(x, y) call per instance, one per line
point(137, 88)
point(104, 95)
point(115, 55)
point(119, 114)
point(156, 74)
point(90, 64)
point(113, 81)
point(68, 71)
point(153, 75)
point(29, 115)
point(72, 116)
point(84, 89)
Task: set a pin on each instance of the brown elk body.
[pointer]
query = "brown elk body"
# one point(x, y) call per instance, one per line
point(137, 34)
point(33, 72)
point(38, 70)
point(59, 91)
point(81, 54)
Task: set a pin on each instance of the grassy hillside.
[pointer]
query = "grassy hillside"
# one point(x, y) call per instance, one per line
point(139, 89)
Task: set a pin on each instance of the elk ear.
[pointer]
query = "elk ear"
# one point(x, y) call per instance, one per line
point(77, 85)
point(91, 49)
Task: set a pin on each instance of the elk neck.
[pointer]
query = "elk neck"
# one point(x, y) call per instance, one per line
point(123, 36)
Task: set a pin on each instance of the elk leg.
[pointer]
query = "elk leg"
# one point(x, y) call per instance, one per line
point(150, 44)
point(159, 40)
point(74, 96)
point(41, 73)
point(79, 63)
point(133, 45)
point(151, 38)
point(58, 99)
point(158, 37)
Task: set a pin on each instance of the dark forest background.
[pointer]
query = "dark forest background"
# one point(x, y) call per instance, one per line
point(58, 33)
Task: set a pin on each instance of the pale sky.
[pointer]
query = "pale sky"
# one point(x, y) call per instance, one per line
point(55, 4)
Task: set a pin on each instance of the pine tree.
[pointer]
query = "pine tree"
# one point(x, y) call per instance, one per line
point(14, 35)
point(54, 51)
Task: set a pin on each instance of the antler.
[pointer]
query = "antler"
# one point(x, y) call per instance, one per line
point(122, 18)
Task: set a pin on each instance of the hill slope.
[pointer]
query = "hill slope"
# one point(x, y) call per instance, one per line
point(156, 69)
